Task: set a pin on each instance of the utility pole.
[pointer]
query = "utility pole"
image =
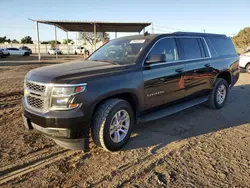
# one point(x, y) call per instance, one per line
point(38, 41)
point(67, 42)
point(76, 38)
point(95, 36)
point(56, 41)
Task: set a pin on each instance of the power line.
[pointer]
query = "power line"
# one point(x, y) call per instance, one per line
point(170, 28)
point(161, 30)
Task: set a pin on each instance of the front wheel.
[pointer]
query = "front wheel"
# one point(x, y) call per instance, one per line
point(112, 124)
point(248, 68)
point(218, 96)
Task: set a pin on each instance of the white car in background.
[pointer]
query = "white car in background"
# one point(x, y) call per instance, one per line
point(16, 51)
point(245, 61)
point(4, 51)
point(78, 50)
point(54, 51)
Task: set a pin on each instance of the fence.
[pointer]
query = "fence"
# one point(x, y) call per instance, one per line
point(45, 47)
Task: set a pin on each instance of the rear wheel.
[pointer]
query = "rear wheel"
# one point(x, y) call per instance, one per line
point(218, 96)
point(112, 124)
point(248, 68)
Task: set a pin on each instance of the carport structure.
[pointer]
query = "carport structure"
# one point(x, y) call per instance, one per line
point(90, 26)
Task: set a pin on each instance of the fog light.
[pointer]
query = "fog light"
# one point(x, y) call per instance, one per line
point(60, 102)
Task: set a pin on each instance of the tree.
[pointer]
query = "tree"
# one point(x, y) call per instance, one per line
point(4, 39)
point(242, 39)
point(67, 42)
point(27, 40)
point(90, 38)
point(54, 43)
point(14, 41)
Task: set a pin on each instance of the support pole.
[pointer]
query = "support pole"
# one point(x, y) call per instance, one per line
point(76, 38)
point(38, 41)
point(152, 28)
point(115, 34)
point(67, 42)
point(56, 40)
point(94, 36)
point(144, 30)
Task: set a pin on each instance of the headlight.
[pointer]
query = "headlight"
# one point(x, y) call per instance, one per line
point(62, 97)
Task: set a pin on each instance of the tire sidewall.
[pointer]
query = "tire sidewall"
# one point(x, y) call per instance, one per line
point(109, 144)
point(221, 82)
point(247, 68)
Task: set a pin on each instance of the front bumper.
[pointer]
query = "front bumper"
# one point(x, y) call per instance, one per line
point(68, 129)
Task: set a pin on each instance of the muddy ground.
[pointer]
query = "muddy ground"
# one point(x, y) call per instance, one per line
point(198, 147)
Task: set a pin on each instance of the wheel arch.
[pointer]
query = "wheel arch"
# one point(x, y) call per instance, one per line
point(227, 76)
point(128, 96)
point(247, 64)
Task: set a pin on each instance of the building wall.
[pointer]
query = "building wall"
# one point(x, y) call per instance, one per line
point(45, 47)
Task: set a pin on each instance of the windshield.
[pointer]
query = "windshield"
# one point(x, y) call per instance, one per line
point(122, 51)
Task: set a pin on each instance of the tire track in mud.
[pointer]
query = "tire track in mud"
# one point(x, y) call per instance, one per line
point(11, 94)
point(12, 172)
point(134, 170)
point(10, 100)
point(29, 157)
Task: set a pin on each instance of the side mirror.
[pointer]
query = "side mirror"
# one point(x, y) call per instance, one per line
point(156, 58)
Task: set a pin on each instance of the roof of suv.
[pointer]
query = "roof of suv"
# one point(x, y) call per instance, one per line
point(152, 36)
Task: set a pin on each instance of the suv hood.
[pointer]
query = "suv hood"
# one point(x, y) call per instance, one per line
point(67, 72)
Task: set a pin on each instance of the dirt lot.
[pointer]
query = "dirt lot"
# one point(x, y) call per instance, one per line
point(198, 147)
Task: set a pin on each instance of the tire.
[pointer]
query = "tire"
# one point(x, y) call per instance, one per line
point(248, 68)
point(102, 120)
point(26, 54)
point(214, 97)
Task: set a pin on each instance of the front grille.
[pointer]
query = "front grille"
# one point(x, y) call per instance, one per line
point(35, 102)
point(35, 87)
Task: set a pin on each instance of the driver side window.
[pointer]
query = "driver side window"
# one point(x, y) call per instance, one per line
point(167, 47)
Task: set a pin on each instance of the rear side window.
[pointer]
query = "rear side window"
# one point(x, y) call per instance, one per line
point(191, 48)
point(223, 46)
point(168, 47)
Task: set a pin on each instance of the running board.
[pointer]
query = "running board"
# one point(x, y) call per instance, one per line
point(172, 109)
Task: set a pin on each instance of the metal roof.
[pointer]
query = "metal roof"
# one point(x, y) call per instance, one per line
point(87, 26)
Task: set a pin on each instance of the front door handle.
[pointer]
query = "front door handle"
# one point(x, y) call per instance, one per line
point(179, 70)
point(207, 65)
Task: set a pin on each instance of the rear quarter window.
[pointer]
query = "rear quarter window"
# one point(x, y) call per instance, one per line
point(223, 46)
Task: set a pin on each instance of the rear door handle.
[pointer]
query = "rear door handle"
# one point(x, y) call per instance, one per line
point(207, 65)
point(179, 70)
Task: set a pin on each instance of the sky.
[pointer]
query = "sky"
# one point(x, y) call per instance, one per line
point(214, 16)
